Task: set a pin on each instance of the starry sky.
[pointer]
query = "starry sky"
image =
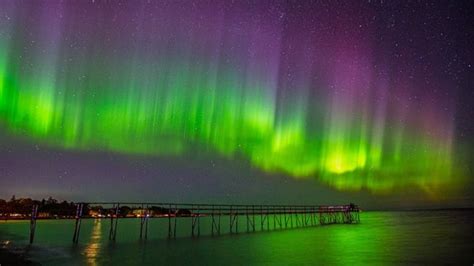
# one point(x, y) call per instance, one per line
point(238, 101)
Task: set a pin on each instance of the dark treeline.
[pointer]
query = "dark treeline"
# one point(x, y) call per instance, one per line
point(50, 208)
point(23, 206)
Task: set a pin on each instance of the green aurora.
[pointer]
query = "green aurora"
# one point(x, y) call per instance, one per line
point(173, 101)
point(187, 107)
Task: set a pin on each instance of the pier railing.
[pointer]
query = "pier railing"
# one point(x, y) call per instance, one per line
point(270, 216)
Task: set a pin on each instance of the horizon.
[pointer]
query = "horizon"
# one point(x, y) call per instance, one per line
point(134, 203)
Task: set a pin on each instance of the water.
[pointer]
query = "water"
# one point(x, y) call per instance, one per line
point(382, 238)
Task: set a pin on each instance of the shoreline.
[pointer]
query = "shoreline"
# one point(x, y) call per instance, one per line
point(14, 219)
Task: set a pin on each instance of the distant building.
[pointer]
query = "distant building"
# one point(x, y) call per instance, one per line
point(44, 215)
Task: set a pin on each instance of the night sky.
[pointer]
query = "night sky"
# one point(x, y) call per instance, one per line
point(238, 101)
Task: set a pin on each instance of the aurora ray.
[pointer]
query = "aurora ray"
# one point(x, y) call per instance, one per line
point(237, 85)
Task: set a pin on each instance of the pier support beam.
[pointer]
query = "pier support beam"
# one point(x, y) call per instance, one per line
point(195, 215)
point(34, 216)
point(215, 226)
point(247, 217)
point(113, 223)
point(233, 220)
point(144, 223)
point(77, 225)
point(291, 217)
point(253, 218)
point(172, 224)
point(268, 219)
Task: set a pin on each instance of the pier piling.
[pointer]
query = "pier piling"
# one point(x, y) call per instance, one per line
point(114, 222)
point(34, 216)
point(77, 225)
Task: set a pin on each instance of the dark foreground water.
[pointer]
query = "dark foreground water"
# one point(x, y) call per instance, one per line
point(382, 238)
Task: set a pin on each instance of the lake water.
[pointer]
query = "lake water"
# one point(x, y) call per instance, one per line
point(382, 238)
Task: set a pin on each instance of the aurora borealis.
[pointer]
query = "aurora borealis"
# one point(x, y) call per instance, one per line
point(320, 91)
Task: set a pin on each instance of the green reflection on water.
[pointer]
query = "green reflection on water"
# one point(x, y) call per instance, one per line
point(382, 238)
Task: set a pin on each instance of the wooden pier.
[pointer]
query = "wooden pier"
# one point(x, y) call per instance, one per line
point(276, 217)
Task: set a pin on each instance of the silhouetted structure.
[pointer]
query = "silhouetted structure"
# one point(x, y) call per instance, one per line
point(282, 216)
